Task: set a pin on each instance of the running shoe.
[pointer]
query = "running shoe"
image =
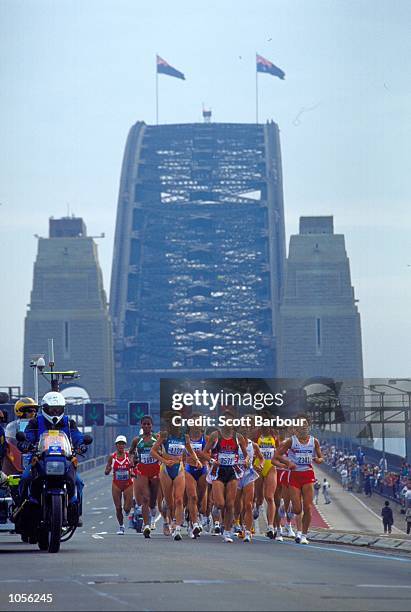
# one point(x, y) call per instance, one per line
point(298, 537)
point(304, 539)
point(247, 537)
point(270, 532)
point(121, 530)
point(152, 526)
point(227, 538)
point(166, 529)
point(146, 531)
point(217, 528)
point(196, 530)
point(177, 534)
point(279, 537)
point(237, 527)
point(289, 531)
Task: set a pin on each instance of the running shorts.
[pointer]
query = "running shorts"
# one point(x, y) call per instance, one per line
point(196, 473)
point(149, 470)
point(299, 479)
point(247, 478)
point(283, 477)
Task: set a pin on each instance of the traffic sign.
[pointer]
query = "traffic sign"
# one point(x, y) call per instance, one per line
point(136, 411)
point(94, 414)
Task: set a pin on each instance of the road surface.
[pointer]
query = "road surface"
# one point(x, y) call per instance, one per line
point(98, 570)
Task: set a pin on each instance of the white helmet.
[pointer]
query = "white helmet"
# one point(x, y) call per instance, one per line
point(52, 407)
point(121, 439)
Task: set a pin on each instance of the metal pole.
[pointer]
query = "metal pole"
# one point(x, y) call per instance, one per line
point(256, 92)
point(156, 93)
point(36, 384)
point(383, 426)
point(407, 419)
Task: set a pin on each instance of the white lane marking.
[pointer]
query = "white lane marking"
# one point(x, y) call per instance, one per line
point(383, 586)
point(103, 533)
point(111, 516)
point(101, 523)
point(344, 551)
point(102, 508)
point(102, 594)
point(97, 537)
point(372, 511)
point(93, 527)
point(99, 575)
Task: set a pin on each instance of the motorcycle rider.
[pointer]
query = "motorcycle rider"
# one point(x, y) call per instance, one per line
point(25, 409)
point(52, 417)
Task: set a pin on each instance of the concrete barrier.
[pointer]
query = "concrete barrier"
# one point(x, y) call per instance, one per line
point(90, 464)
point(357, 539)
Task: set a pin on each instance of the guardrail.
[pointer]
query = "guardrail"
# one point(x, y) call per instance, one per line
point(90, 464)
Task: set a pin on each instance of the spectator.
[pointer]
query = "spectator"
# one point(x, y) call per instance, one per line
point(317, 488)
point(326, 489)
point(360, 456)
point(344, 477)
point(387, 517)
point(367, 485)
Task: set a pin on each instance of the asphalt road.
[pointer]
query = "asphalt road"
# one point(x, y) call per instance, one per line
point(98, 570)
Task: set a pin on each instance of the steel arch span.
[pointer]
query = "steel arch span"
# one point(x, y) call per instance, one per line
point(199, 254)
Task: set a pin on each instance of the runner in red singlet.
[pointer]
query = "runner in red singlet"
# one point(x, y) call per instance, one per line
point(122, 487)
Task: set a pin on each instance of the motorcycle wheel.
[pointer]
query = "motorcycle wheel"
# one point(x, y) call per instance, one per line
point(56, 519)
point(43, 540)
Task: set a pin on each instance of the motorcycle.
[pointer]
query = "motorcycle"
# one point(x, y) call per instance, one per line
point(46, 517)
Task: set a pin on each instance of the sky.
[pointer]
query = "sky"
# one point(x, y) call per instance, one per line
point(76, 74)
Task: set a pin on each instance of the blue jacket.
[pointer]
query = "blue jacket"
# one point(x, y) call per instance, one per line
point(39, 425)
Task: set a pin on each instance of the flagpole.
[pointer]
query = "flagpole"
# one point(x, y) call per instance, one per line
point(256, 91)
point(156, 92)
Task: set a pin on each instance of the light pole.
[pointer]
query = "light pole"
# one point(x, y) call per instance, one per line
point(38, 364)
point(407, 413)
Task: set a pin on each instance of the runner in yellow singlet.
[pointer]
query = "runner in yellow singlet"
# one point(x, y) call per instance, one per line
point(267, 483)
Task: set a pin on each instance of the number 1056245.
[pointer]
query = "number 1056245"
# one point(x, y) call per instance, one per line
point(34, 598)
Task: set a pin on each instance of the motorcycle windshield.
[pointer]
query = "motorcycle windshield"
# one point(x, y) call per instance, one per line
point(54, 442)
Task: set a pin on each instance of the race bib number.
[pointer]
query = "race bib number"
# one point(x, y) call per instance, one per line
point(176, 450)
point(196, 446)
point(122, 475)
point(147, 458)
point(304, 460)
point(226, 458)
point(267, 453)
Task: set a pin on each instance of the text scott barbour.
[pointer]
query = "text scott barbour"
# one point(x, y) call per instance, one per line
point(207, 399)
point(256, 420)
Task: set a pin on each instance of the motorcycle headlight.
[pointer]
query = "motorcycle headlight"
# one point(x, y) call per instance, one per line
point(55, 468)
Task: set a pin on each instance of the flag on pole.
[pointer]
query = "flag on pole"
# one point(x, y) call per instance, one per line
point(164, 67)
point(264, 65)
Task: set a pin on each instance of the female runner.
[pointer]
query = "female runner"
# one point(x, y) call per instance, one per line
point(267, 483)
point(147, 470)
point(122, 487)
point(245, 489)
point(196, 484)
point(169, 450)
point(282, 493)
point(225, 471)
point(302, 449)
